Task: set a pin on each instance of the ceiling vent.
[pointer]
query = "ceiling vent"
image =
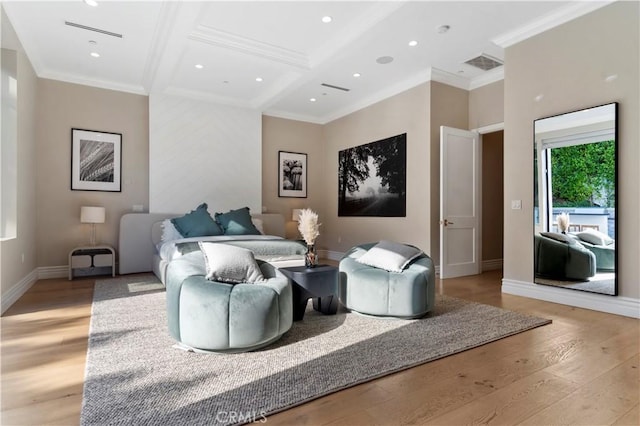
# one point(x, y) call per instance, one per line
point(484, 62)
point(331, 86)
point(97, 30)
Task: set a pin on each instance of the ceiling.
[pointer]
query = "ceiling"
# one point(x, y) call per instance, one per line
point(285, 44)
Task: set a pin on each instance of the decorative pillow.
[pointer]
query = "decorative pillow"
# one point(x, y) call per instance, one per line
point(596, 238)
point(169, 232)
point(259, 224)
point(237, 222)
point(197, 223)
point(559, 237)
point(390, 256)
point(230, 264)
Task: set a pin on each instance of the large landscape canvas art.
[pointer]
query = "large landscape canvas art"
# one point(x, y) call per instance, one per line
point(372, 178)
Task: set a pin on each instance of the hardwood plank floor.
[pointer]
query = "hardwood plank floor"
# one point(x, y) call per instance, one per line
point(582, 369)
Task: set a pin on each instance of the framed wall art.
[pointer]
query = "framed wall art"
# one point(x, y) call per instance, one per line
point(96, 160)
point(372, 178)
point(292, 174)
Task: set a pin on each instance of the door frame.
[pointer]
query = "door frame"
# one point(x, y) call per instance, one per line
point(491, 128)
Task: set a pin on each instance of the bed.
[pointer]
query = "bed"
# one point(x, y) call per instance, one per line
point(141, 248)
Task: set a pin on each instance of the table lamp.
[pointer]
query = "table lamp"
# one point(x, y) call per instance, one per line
point(92, 215)
point(295, 216)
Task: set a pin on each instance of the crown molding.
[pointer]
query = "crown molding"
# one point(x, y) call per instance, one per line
point(296, 117)
point(100, 84)
point(161, 34)
point(571, 11)
point(249, 46)
point(445, 77)
point(488, 77)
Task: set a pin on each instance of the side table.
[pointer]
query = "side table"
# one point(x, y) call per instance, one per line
point(92, 260)
point(319, 283)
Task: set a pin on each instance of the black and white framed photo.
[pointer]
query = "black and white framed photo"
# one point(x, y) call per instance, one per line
point(96, 160)
point(372, 179)
point(292, 174)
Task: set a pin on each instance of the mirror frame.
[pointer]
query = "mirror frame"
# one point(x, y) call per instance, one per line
point(540, 220)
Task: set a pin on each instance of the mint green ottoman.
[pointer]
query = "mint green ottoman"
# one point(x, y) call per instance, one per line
point(375, 291)
point(205, 315)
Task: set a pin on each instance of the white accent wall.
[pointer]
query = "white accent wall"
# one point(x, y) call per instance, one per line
point(203, 152)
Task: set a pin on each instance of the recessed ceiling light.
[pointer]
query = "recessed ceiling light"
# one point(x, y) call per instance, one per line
point(443, 29)
point(312, 100)
point(258, 79)
point(199, 66)
point(95, 54)
point(93, 3)
point(413, 43)
point(356, 74)
point(327, 19)
point(384, 60)
point(93, 42)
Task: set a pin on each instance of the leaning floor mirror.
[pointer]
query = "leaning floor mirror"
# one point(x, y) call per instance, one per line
point(575, 182)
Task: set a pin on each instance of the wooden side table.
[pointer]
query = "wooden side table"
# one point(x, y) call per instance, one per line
point(92, 260)
point(319, 283)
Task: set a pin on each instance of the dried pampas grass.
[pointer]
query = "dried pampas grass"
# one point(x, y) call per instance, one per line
point(563, 222)
point(308, 226)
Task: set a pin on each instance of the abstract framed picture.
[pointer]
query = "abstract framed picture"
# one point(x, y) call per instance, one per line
point(292, 174)
point(96, 160)
point(372, 178)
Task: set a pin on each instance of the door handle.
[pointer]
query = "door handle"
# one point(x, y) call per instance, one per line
point(446, 222)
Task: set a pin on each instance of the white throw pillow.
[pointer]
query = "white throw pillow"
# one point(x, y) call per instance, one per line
point(230, 264)
point(169, 231)
point(390, 256)
point(259, 224)
point(595, 237)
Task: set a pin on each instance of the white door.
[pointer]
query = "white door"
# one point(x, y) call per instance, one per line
point(460, 174)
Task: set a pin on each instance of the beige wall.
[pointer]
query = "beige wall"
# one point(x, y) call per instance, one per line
point(568, 66)
point(486, 105)
point(492, 195)
point(61, 107)
point(280, 134)
point(14, 267)
point(407, 112)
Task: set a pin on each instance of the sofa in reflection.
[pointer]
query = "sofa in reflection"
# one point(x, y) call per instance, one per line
point(562, 257)
point(602, 246)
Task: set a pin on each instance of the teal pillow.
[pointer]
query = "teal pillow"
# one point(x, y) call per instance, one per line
point(237, 222)
point(197, 223)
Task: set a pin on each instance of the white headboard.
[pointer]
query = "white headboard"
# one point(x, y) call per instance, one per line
point(136, 247)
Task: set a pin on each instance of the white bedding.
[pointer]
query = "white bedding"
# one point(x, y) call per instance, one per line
point(169, 250)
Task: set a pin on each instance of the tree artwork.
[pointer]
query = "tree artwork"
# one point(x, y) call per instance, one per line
point(372, 178)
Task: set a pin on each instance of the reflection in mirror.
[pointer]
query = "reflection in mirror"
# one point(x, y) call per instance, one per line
point(575, 200)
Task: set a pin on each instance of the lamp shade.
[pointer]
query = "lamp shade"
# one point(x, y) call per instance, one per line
point(295, 216)
point(92, 214)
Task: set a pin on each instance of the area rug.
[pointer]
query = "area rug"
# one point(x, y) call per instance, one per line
point(135, 376)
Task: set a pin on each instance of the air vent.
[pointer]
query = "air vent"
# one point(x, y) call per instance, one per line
point(484, 62)
point(331, 86)
point(97, 30)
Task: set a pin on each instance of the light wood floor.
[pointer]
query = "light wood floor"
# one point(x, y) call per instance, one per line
point(581, 370)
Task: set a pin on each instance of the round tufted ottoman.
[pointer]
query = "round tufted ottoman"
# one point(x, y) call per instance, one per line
point(213, 316)
point(374, 291)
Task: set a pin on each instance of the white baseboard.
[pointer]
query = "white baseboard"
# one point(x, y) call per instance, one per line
point(46, 272)
point(624, 306)
point(20, 288)
point(487, 265)
point(492, 264)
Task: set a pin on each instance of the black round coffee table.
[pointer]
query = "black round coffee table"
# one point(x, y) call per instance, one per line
point(319, 283)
